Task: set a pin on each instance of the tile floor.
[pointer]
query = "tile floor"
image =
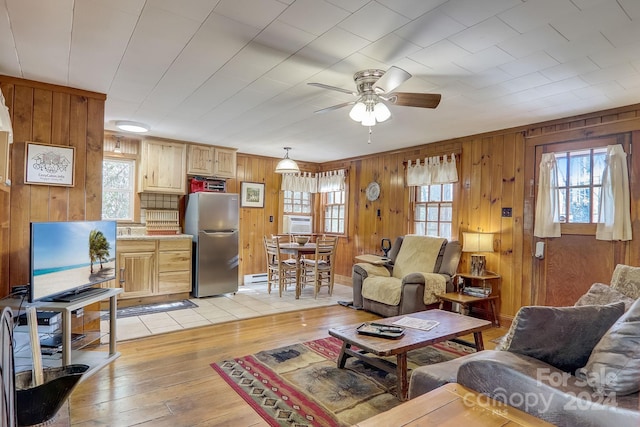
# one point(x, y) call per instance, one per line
point(251, 300)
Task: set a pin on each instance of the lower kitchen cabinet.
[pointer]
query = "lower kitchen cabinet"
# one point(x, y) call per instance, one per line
point(150, 267)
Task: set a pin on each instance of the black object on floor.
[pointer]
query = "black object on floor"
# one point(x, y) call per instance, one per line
point(349, 304)
point(140, 310)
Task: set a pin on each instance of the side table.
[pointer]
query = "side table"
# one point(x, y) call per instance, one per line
point(489, 292)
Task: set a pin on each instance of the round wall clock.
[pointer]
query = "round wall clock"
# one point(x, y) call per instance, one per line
point(373, 191)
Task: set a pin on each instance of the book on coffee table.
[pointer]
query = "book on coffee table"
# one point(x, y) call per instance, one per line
point(416, 323)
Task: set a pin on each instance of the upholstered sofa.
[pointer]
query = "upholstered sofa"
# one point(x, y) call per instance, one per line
point(419, 268)
point(571, 366)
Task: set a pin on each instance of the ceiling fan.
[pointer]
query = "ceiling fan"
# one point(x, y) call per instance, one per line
point(375, 86)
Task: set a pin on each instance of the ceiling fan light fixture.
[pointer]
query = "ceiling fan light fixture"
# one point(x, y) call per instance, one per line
point(358, 111)
point(287, 165)
point(130, 126)
point(369, 119)
point(381, 112)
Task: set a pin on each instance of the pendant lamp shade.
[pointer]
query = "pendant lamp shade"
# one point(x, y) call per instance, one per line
point(287, 165)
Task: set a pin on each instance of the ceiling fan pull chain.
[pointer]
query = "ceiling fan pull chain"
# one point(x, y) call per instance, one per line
point(369, 141)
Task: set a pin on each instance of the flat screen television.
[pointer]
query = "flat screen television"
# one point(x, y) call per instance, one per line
point(69, 257)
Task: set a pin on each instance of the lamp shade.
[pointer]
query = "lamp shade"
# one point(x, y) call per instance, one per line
point(477, 242)
point(287, 165)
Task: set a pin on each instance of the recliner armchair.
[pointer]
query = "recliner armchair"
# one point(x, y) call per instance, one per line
point(420, 268)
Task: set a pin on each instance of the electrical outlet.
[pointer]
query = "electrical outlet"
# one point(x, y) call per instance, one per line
point(506, 212)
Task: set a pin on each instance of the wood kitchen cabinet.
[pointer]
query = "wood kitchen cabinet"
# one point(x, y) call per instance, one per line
point(174, 266)
point(163, 167)
point(136, 267)
point(150, 267)
point(211, 161)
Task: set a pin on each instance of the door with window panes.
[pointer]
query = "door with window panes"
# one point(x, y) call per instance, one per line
point(575, 260)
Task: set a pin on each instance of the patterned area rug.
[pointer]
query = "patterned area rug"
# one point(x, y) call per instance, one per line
point(300, 385)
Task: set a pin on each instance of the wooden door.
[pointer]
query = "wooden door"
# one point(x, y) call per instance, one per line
point(137, 273)
point(200, 160)
point(225, 163)
point(575, 260)
point(163, 167)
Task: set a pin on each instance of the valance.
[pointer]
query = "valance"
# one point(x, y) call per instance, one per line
point(432, 171)
point(322, 182)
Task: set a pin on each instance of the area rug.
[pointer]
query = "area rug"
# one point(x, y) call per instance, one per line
point(300, 385)
point(140, 310)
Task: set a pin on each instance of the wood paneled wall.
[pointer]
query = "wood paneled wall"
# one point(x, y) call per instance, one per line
point(50, 114)
point(495, 170)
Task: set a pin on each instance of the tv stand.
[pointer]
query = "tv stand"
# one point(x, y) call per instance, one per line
point(95, 359)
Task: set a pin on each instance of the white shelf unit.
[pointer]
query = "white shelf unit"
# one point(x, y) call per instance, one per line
point(95, 359)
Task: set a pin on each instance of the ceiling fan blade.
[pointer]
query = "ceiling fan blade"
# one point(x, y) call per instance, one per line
point(409, 99)
point(391, 79)
point(339, 89)
point(335, 107)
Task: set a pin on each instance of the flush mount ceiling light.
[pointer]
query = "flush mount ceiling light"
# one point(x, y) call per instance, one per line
point(287, 165)
point(130, 126)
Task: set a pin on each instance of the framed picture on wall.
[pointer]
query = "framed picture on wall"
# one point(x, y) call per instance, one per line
point(49, 164)
point(252, 195)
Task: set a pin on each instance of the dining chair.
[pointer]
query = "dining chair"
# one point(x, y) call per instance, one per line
point(280, 271)
point(320, 270)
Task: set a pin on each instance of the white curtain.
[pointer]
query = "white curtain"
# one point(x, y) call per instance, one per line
point(314, 183)
point(303, 181)
point(5, 121)
point(432, 171)
point(547, 204)
point(331, 181)
point(614, 214)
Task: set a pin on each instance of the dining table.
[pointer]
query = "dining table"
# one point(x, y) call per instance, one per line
point(298, 251)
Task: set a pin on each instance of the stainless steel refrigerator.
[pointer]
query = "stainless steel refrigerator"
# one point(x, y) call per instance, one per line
point(212, 219)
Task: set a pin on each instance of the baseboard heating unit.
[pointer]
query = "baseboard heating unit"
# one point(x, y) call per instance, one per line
point(255, 278)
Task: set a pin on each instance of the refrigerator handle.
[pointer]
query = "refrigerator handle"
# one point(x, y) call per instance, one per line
point(213, 233)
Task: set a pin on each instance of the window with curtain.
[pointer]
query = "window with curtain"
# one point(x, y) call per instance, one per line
point(118, 189)
point(297, 202)
point(433, 210)
point(584, 191)
point(334, 208)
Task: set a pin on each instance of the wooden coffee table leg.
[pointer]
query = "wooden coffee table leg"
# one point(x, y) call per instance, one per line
point(342, 358)
point(401, 373)
point(477, 336)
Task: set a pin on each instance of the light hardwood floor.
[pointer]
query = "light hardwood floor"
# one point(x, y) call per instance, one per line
point(167, 380)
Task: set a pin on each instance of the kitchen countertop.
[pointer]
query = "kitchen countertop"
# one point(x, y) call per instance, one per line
point(154, 237)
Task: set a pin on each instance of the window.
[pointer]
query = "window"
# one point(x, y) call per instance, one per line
point(433, 210)
point(297, 202)
point(118, 189)
point(580, 184)
point(334, 212)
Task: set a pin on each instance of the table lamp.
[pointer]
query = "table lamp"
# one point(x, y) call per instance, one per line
point(477, 242)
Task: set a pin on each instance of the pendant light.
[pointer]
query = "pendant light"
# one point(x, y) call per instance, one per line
point(287, 165)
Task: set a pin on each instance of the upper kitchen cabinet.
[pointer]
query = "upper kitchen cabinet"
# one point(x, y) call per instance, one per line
point(163, 167)
point(211, 161)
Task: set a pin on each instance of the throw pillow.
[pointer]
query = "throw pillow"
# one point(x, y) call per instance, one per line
point(560, 336)
point(614, 364)
point(626, 279)
point(600, 294)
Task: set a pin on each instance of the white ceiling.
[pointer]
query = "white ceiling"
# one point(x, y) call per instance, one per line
point(234, 72)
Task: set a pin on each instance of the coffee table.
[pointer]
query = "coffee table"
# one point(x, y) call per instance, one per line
point(453, 404)
point(451, 325)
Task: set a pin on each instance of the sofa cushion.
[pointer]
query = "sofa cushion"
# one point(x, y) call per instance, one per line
point(601, 294)
point(386, 290)
point(418, 254)
point(614, 364)
point(560, 336)
point(450, 258)
point(626, 279)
